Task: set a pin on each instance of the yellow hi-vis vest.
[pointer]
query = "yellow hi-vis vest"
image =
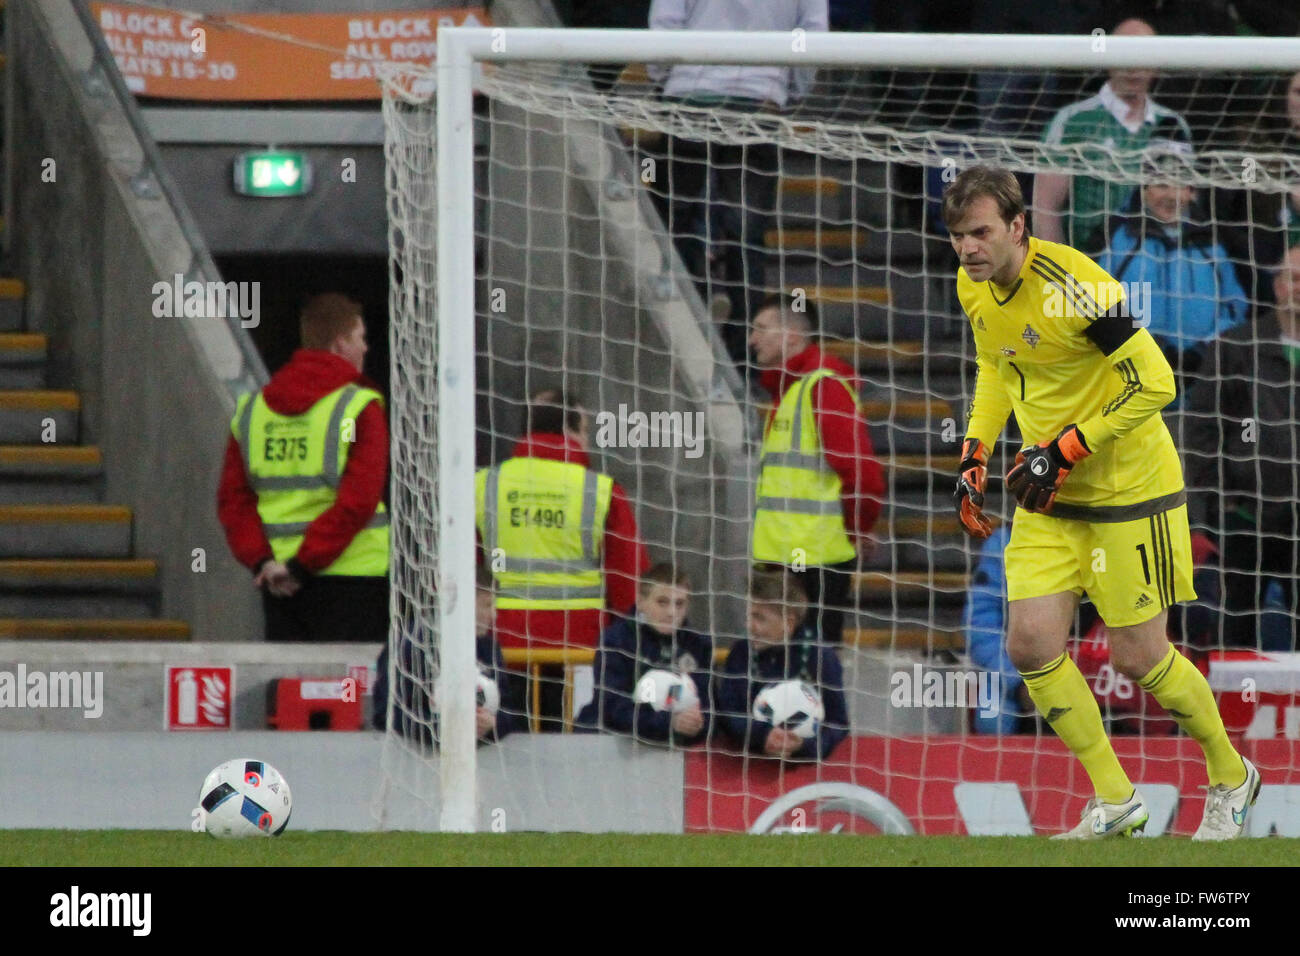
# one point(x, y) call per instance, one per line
point(543, 523)
point(798, 493)
point(295, 463)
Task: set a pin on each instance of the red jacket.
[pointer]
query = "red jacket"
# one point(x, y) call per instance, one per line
point(623, 557)
point(843, 432)
point(309, 376)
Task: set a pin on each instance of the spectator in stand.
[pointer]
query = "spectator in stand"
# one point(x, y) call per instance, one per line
point(657, 638)
point(820, 488)
point(1261, 226)
point(1243, 459)
point(413, 716)
point(746, 175)
point(560, 538)
point(780, 647)
point(1188, 287)
point(302, 487)
point(1120, 119)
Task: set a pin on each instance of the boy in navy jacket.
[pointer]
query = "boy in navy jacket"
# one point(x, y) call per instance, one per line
point(655, 639)
point(415, 719)
point(780, 648)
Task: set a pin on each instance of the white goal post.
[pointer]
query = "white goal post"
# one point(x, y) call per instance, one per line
point(460, 50)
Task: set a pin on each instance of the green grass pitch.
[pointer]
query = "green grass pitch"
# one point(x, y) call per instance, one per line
point(327, 848)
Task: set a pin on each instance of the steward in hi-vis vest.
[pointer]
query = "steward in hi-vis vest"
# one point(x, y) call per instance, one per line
point(560, 538)
point(819, 487)
point(301, 494)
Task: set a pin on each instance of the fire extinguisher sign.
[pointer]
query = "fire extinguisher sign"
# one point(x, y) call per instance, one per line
point(199, 698)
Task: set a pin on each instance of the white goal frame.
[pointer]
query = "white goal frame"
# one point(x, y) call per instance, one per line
point(460, 48)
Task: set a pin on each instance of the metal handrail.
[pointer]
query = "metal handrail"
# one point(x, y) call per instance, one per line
point(153, 181)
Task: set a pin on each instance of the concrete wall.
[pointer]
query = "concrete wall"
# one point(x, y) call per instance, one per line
point(336, 218)
point(157, 393)
point(134, 678)
point(151, 781)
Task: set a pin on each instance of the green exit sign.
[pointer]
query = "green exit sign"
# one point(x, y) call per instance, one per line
point(275, 173)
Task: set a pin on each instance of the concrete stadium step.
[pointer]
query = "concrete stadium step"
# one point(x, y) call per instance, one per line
point(78, 588)
point(885, 616)
point(918, 470)
point(92, 629)
point(900, 438)
point(912, 556)
point(825, 295)
point(842, 241)
point(904, 639)
point(827, 187)
point(910, 355)
point(23, 415)
point(65, 531)
point(906, 384)
point(23, 357)
point(66, 474)
point(910, 587)
point(808, 199)
point(13, 293)
point(882, 411)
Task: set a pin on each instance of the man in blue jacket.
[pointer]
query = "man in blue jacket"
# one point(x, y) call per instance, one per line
point(780, 648)
point(1189, 293)
point(656, 639)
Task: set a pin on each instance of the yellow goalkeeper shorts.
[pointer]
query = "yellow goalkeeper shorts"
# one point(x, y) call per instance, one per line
point(1131, 570)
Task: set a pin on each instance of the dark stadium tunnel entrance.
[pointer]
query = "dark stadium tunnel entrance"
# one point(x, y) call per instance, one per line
point(287, 281)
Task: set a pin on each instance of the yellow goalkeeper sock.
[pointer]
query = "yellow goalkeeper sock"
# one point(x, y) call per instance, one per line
point(1183, 691)
point(1064, 699)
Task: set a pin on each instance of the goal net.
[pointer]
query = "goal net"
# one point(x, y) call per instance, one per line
point(622, 239)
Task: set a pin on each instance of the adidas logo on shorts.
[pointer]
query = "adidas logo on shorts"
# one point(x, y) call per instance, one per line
point(1142, 602)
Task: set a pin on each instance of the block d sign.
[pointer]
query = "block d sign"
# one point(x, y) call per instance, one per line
point(272, 174)
point(199, 698)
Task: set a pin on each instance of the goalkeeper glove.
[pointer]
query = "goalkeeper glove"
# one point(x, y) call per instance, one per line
point(1041, 469)
point(973, 475)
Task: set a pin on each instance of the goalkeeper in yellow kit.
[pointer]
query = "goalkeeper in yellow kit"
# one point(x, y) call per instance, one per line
point(1099, 487)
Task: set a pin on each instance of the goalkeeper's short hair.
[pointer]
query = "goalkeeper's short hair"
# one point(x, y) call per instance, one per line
point(972, 183)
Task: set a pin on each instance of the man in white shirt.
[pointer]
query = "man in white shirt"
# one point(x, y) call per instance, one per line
point(1121, 119)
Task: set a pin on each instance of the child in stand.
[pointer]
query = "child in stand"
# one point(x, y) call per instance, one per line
point(780, 648)
point(655, 639)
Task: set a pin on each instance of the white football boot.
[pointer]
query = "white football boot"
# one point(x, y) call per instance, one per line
point(1226, 809)
point(1102, 820)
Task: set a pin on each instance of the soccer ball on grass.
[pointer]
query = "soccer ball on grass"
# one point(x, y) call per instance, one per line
point(245, 797)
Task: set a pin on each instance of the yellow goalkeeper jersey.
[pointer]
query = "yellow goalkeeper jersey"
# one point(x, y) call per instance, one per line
point(1038, 356)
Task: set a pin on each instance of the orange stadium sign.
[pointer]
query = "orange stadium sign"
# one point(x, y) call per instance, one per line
point(173, 55)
